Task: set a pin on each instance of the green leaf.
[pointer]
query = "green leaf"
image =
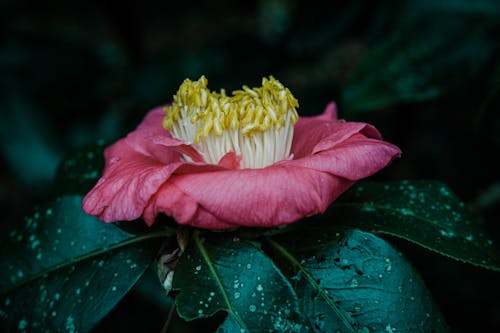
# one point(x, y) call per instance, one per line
point(74, 298)
point(63, 270)
point(484, 8)
point(424, 212)
point(358, 275)
point(80, 170)
point(219, 274)
point(25, 131)
point(423, 59)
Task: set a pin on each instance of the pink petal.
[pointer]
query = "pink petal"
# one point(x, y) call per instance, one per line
point(160, 146)
point(151, 139)
point(136, 167)
point(308, 131)
point(314, 134)
point(230, 161)
point(171, 201)
point(150, 127)
point(354, 158)
point(260, 197)
point(128, 181)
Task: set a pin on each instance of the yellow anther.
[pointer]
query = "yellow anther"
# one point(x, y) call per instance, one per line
point(250, 109)
point(254, 123)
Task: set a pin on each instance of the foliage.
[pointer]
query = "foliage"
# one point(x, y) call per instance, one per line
point(73, 267)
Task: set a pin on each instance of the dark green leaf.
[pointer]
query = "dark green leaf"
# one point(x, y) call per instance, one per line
point(219, 274)
point(419, 62)
point(63, 270)
point(488, 9)
point(27, 143)
point(75, 298)
point(487, 119)
point(354, 282)
point(424, 212)
point(80, 170)
point(54, 235)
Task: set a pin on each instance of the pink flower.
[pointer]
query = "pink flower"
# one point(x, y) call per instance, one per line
point(151, 172)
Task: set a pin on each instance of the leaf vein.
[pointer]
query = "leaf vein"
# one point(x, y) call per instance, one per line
point(218, 280)
point(324, 293)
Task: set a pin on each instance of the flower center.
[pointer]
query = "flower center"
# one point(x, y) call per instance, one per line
point(256, 123)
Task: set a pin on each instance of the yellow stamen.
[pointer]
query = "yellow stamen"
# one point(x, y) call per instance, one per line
point(197, 114)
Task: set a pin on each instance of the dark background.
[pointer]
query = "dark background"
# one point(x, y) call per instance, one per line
point(425, 73)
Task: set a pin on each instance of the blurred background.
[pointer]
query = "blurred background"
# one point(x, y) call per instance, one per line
point(426, 73)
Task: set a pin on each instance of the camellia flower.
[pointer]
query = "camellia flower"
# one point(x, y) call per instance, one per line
point(216, 161)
